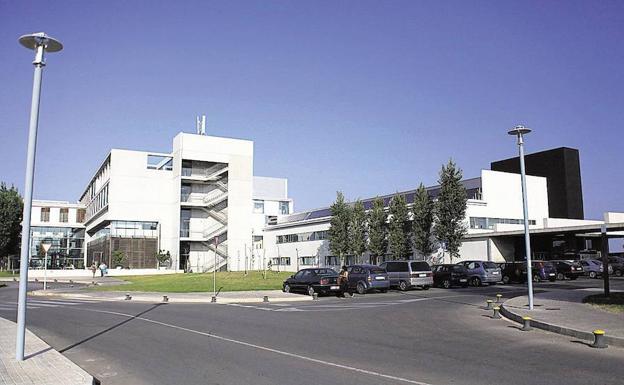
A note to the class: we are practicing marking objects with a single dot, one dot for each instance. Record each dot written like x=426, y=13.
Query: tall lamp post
x=40, y=43
x=519, y=132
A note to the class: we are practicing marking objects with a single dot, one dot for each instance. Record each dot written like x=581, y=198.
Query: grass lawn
x=196, y=282
x=614, y=304
x=8, y=274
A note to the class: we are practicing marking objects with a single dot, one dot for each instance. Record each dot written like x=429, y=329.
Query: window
x=45, y=214
x=283, y=208
x=64, y=215
x=420, y=266
x=285, y=261
x=331, y=260
x=307, y=261
x=299, y=274
x=159, y=162
x=80, y=215
x=302, y=237
x=258, y=206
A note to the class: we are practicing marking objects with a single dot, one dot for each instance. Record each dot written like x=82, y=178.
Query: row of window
x=258, y=207
x=63, y=215
x=302, y=237
x=306, y=261
x=488, y=223
x=98, y=203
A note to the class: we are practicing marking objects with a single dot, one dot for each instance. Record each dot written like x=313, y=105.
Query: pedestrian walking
x=103, y=269
x=343, y=281
x=93, y=269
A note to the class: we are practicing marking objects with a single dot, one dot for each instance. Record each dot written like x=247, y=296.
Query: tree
x=450, y=209
x=357, y=230
x=377, y=230
x=119, y=258
x=398, y=228
x=11, y=207
x=338, y=233
x=422, y=210
x=162, y=256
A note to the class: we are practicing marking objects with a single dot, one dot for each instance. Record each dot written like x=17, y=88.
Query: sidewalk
x=562, y=311
x=223, y=297
x=42, y=366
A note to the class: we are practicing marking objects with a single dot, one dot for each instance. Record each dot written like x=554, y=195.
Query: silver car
x=480, y=272
x=407, y=274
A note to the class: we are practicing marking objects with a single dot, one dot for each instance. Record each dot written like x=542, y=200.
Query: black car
x=568, y=269
x=449, y=275
x=313, y=280
x=513, y=272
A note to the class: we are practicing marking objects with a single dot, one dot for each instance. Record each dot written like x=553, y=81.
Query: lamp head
x=519, y=130
x=34, y=40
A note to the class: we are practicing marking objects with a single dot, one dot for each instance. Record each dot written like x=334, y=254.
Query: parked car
x=544, y=270
x=617, y=265
x=480, y=272
x=313, y=280
x=364, y=278
x=513, y=272
x=568, y=269
x=449, y=275
x=407, y=274
x=593, y=268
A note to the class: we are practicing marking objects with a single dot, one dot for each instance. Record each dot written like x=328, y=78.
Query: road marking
x=265, y=348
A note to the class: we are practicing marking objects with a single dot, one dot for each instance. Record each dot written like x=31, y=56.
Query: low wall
x=38, y=273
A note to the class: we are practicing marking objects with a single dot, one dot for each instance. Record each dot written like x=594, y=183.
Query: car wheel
x=286, y=288
x=560, y=276
x=618, y=273
x=476, y=282
x=506, y=279
x=592, y=274
x=446, y=284
x=403, y=286
x=360, y=288
x=310, y=291
x=426, y=287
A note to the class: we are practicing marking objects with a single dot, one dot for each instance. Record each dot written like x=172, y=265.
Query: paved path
x=565, y=313
x=42, y=366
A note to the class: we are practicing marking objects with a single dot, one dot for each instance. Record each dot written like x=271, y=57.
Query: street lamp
x=40, y=43
x=519, y=131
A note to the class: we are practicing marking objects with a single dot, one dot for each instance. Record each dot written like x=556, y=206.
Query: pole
x=605, y=259
x=28, y=189
x=214, y=269
x=527, y=238
x=45, y=271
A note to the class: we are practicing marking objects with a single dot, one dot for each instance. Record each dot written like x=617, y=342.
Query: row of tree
x=397, y=231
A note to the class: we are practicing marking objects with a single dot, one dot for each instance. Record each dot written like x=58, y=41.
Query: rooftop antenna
x=200, y=125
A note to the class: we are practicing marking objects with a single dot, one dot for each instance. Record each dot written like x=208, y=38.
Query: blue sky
x=367, y=97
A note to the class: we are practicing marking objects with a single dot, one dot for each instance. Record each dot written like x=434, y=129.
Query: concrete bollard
x=71, y=281
x=489, y=304
x=526, y=324
x=165, y=298
x=14, y=279
x=93, y=282
x=599, y=341
x=36, y=280
x=265, y=298
x=128, y=297
x=213, y=299
x=55, y=280
x=315, y=297
x=496, y=314
x=498, y=298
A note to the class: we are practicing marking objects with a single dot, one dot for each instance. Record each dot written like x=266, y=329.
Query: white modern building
x=202, y=204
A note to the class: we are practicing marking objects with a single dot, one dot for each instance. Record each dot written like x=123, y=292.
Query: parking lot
x=438, y=336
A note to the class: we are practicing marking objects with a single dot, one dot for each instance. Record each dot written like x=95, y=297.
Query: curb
x=172, y=298
x=587, y=336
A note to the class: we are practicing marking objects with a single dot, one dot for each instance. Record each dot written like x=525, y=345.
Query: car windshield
x=377, y=270
x=420, y=266
x=489, y=265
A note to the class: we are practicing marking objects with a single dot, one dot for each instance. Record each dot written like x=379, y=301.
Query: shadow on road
x=110, y=328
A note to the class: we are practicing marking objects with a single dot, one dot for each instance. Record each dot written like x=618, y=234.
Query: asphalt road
x=418, y=337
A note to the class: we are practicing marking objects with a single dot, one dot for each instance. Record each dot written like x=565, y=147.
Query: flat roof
x=575, y=229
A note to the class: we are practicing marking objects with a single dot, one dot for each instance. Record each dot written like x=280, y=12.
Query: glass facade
x=302, y=237
x=134, y=229
x=66, y=251
x=283, y=208
x=488, y=223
